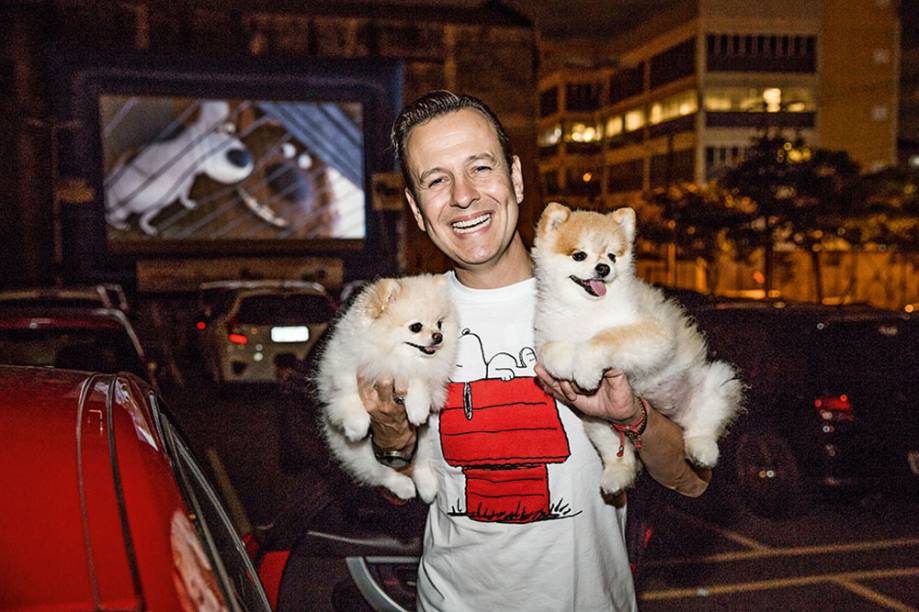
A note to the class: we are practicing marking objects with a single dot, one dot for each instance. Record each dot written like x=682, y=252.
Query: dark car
x=94, y=339
x=831, y=399
x=106, y=508
x=245, y=327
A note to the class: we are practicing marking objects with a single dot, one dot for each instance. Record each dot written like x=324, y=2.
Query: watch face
x=394, y=461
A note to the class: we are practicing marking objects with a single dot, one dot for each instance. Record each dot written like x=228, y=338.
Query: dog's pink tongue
x=598, y=287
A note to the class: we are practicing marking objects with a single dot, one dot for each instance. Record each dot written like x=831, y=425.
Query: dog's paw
x=588, y=378
x=417, y=408
x=558, y=358
x=617, y=478
x=356, y=426
x=188, y=203
x=426, y=483
x=702, y=450
x=400, y=484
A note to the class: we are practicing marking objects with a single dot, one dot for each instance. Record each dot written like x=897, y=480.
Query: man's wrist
x=396, y=458
x=638, y=408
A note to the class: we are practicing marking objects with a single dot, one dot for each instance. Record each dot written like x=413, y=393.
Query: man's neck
x=515, y=265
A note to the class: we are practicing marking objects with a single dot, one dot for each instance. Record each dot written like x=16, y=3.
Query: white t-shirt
x=518, y=522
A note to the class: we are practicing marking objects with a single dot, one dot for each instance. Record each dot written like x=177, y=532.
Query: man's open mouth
x=594, y=286
x=471, y=225
x=426, y=349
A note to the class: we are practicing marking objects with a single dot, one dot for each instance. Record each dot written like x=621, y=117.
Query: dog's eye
x=579, y=256
x=612, y=257
x=415, y=327
x=440, y=324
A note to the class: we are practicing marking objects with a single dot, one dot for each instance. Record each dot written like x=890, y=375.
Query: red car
x=106, y=507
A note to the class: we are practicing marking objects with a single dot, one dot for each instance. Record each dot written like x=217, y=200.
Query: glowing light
x=587, y=176
x=909, y=308
x=759, y=278
x=772, y=96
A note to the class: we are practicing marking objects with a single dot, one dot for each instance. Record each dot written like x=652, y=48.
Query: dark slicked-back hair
x=435, y=104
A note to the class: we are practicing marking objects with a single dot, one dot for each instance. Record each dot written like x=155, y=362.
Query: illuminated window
x=634, y=119
x=614, y=126
x=550, y=136
x=579, y=131
x=771, y=99
x=672, y=107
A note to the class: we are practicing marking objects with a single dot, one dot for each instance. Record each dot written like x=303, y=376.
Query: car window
x=295, y=308
x=60, y=302
x=228, y=554
x=95, y=350
x=887, y=353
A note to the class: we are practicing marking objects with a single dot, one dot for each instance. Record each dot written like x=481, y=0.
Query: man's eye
x=482, y=168
x=435, y=182
x=415, y=327
x=612, y=257
x=579, y=256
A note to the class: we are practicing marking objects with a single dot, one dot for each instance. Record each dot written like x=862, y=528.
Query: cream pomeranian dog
x=398, y=329
x=593, y=314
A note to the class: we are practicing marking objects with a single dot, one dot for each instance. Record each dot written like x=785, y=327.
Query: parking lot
x=854, y=552
x=844, y=554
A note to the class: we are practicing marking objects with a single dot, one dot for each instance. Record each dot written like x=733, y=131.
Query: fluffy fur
x=399, y=329
x=593, y=314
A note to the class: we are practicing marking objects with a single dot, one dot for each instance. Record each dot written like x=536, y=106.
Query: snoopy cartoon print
x=475, y=365
x=486, y=430
x=163, y=172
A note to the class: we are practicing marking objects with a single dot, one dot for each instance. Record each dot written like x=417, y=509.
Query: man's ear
x=553, y=216
x=626, y=218
x=419, y=218
x=380, y=295
x=517, y=178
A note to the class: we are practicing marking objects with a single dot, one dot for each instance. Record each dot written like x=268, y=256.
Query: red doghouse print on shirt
x=503, y=432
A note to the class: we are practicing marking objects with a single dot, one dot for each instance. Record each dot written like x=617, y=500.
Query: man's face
x=467, y=197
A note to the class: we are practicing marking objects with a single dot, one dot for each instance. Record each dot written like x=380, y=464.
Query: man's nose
x=464, y=192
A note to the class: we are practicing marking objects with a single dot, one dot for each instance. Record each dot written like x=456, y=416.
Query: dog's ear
x=553, y=216
x=625, y=217
x=380, y=295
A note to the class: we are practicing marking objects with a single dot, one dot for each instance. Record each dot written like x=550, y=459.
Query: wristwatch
x=393, y=458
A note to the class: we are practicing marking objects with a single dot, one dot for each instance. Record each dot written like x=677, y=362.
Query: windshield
x=95, y=350
x=292, y=309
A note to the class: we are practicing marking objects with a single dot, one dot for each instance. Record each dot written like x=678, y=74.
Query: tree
x=800, y=195
x=696, y=220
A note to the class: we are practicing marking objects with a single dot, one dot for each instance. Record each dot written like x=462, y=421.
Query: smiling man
x=519, y=521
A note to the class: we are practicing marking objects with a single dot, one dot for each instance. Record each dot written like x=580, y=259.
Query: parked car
x=96, y=339
x=245, y=327
x=831, y=400
x=103, y=295
x=111, y=511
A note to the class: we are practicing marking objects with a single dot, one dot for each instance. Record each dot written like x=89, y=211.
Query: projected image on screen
x=206, y=169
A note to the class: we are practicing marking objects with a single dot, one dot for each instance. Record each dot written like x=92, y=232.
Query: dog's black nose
x=437, y=337
x=239, y=157
x=602, y=269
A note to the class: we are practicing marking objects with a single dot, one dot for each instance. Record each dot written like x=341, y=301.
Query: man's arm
x=661, y=449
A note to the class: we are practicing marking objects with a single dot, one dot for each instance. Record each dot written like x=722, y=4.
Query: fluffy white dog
x=593, y=314
x=400, y=329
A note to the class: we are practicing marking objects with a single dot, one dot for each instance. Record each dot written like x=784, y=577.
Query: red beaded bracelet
x=632, y=430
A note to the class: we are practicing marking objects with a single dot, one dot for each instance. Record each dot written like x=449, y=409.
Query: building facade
x=680, y=97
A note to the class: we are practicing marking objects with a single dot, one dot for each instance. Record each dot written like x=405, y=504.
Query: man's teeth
x=469, y=225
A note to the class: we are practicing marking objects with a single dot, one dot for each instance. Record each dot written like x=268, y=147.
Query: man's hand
x=389, y=425
x=662, y=449
x=614, y=400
